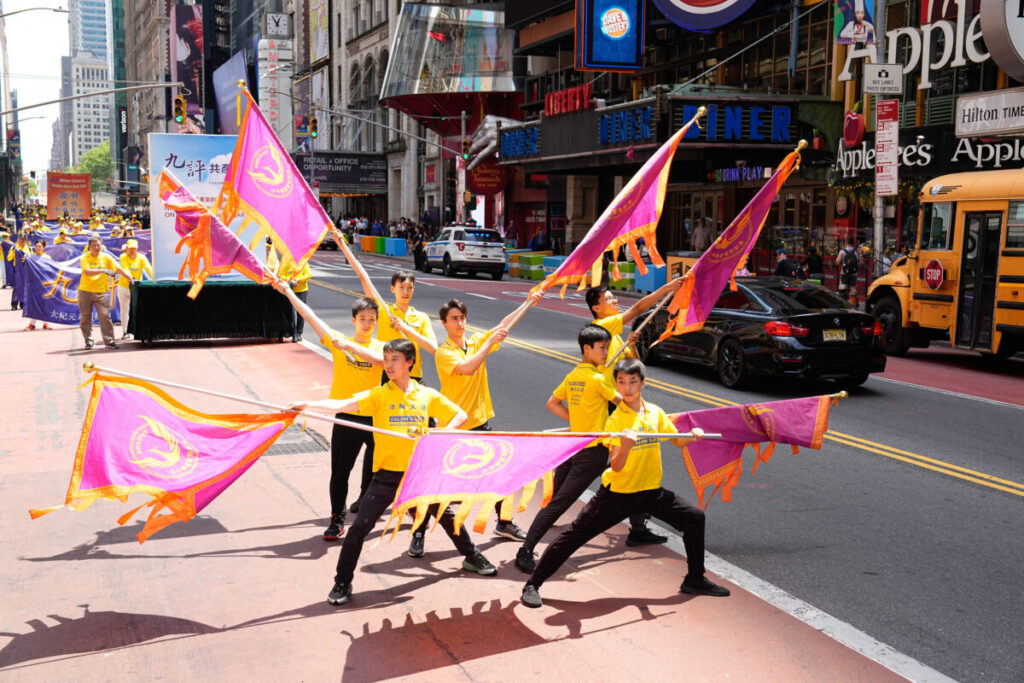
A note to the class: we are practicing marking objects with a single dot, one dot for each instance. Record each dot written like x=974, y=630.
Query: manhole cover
x=295, y=441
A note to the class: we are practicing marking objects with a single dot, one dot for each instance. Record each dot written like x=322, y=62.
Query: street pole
x=460, y=182
x=879, y=241
x=94, y=93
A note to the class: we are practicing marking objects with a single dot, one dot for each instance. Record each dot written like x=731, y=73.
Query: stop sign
x=933, y=274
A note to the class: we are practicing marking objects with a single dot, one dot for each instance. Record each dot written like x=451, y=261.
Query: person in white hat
x=859, y=29
x=136, y=264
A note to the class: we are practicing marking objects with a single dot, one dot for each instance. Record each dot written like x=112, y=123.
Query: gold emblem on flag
x=475, y=458
x=729, y=246
x=269, y=172
x=171, y=459
x=766, y=422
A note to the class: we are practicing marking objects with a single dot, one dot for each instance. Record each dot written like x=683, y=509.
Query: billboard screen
x=225, y=89
x=187, y=61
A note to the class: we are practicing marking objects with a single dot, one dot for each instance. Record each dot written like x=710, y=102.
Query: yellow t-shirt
x=587, y=394
x=417, y=320
x=351, y=373
x=469, y=392
x=24, y=250
x=613, y=324
x=136, y=267
x=642, y=471
x=302, y=279
x=96, y=283
x=396, y=411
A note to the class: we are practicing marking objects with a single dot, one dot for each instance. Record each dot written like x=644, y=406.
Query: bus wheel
x=888, y=312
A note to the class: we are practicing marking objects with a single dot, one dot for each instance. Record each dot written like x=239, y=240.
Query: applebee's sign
x=961, y=43
x=968, y=154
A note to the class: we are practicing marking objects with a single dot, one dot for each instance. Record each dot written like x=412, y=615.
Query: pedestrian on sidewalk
x=848, y=261
x=357, y=362
x=94, y=292
x=298, y=280
x=631, y=485
x=395, y=406
x=581, y=399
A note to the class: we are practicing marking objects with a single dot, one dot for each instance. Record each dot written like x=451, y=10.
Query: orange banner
x=69, y=193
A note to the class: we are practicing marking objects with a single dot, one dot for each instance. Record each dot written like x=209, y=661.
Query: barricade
x=627, y=270
x=531, y=266
x=394, y=246
x=378, y=245
x=508, y=264
x=367, y=243
x=656, y=276
x=551, y=264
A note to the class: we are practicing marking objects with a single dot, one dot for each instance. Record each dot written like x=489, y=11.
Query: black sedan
x=776, y=326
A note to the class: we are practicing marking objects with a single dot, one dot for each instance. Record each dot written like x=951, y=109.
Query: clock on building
x=278, y=25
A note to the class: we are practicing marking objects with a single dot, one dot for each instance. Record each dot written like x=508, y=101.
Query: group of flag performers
x=415, y=440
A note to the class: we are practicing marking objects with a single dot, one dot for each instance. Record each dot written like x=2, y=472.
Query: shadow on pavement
x=93, y=632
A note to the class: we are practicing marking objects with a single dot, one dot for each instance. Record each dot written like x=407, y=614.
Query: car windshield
x=798, y=299
x=483, y=236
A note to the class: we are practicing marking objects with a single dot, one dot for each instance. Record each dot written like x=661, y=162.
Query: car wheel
x=447, y=268
x=426, y=267
x=497, y=274
x=644, y=349
x=732, y=370
x=853, y=381
x=890, y=314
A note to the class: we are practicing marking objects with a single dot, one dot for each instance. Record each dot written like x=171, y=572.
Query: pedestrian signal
x=313, y=127
x=179, y=109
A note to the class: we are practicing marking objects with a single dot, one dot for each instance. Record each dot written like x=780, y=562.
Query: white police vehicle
x=466, y=249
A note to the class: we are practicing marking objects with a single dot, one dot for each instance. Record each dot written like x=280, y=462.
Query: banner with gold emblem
x=470, y=469
x=137, y=439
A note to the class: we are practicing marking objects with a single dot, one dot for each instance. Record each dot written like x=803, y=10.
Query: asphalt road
x=907, y=524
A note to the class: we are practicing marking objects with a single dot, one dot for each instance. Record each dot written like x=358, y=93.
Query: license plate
x=833, y=335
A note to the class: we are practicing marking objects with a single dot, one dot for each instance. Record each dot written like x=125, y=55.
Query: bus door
x=978, y=275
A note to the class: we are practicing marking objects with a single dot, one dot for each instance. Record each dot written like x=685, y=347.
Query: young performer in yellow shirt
x=357, y=361
x=582, y=399
x=395, y=406
x=632, y=484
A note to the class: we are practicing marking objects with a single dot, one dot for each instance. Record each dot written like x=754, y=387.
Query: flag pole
x=93, y=368
x=594, y=435
x=356, y=265
x=657, y=308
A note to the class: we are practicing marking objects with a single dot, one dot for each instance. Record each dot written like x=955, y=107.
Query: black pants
x=605, y=510
x=345, y=445
x=572, y=478
x=378, y=497
x=300, y=322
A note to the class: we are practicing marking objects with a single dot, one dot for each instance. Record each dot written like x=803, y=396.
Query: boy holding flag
x=630, y=485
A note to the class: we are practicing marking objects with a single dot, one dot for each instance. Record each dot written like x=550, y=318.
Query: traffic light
x=313, y=127
x=467, y=197
x=179, y=109
x=465, y=149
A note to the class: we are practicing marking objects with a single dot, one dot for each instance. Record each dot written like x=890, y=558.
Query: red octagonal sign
x=933, y=274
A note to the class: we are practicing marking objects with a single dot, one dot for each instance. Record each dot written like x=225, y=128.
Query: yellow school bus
x=965, y=279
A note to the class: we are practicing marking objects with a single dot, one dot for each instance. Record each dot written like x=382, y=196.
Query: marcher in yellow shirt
x=358, y=361
x=136, y=264
x=631, y=485
x=93, y=288
x=39, y=249
x=299, y=282
x=581, y=399
x=604, y=306
x=462, y=369
x=62, y=236
x=400, y=403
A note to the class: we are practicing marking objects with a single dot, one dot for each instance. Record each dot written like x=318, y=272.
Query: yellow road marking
x=908, y=457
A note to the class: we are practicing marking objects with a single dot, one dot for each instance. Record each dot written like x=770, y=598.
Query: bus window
x=937, y=226
x=1015, y=226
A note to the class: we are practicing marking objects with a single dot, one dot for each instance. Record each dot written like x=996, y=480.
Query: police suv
x=466, y=248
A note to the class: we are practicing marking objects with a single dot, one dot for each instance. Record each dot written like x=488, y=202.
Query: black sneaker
x=525, y=561
x=644, y=536
x=340, y=594
x=112, y=345
x=479, y=564
x=88, y=344
x=333, y=530
x=354, y=507
x=531, y=598
x=416, y=545
x=702, y=586
x=509, y=530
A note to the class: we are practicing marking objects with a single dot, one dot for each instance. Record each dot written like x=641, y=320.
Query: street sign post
x=887, y=145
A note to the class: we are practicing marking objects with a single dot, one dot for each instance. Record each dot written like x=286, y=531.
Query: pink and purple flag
x=137, y=439
x=632, y=215
x=470, y=468
x=212, y=247
x=704, y=283
x=264, y=185
x=718, y=463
